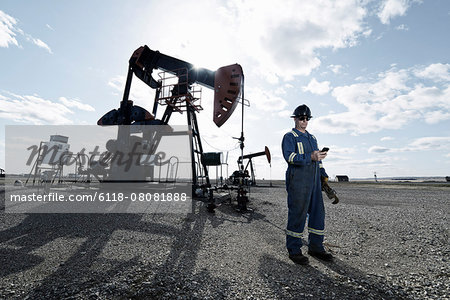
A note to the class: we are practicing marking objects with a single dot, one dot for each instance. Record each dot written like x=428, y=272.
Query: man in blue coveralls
x=304, y=189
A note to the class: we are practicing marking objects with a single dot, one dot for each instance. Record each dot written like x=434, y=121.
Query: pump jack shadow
x=76, y=272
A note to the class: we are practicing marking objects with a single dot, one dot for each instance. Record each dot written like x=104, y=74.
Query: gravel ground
x=389, y=242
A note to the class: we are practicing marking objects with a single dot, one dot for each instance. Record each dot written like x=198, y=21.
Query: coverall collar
x=299, y=132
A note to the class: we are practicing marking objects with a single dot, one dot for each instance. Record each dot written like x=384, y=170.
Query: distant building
x=447, y=178
x=342, y=178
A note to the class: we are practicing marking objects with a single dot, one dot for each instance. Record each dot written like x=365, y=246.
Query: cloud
x=436, y=72
x=33, y=110
x=265, y=100
x=435, y=117
x=387, y=138
x=288, y=86
x=335, y=149
x=8, y=30
x=402, y=27
x=392, y=8
x=336, y=69
x=39, y=43
x=419, y=144
x=289, y=45
x=359, y=167
x=284, y=114
x=430, y=143
x=278, y=49
x=390, y=101
x=377, y=149
x=7, y=35
x=140, y=93
x=318, y=88
x=76, y=104
x=280, y=91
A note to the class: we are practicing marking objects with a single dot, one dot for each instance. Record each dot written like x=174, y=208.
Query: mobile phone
x=324, y=149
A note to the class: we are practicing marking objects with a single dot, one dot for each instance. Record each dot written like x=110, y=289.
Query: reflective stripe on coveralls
x=294, y=234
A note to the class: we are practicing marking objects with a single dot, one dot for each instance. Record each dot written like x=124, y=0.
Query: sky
x=375, y=74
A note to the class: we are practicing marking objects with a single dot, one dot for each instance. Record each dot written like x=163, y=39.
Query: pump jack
x=266, y=152
x=227, y=83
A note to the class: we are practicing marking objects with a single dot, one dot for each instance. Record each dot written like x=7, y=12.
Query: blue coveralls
x=304, y=190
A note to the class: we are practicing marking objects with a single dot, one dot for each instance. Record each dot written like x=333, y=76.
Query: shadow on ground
x=168, y=275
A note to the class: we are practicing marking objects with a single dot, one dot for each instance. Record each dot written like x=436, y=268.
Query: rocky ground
x=390, y=241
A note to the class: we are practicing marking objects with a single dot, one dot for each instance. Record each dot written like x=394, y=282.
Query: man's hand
x=331, y=194
x=317, y=156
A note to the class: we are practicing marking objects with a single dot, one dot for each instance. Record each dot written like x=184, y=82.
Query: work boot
x=299, y=258
x=323, y=255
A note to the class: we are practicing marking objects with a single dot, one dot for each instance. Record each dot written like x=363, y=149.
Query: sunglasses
x=303, y=118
